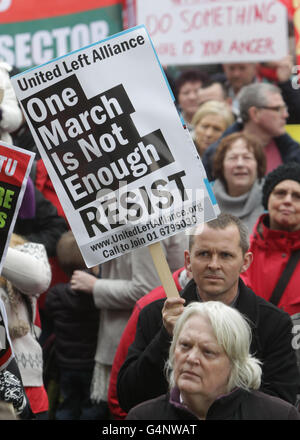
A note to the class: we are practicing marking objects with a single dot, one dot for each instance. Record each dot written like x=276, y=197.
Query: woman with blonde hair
x=210, y=121
x=212, y=374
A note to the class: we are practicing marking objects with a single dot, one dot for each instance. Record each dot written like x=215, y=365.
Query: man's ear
x=253, y=113
x=187, y=264
x=248, y=258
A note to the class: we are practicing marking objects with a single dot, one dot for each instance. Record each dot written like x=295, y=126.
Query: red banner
x=34, y=32
x=13, y=165
x=20, y=10
x=289, y=6
x=296, y=18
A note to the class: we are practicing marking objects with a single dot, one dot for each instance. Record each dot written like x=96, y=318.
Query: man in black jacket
x=215, y=259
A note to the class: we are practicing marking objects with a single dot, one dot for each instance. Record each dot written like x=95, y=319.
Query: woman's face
x=188, y=98
x=239, y=168
x=284, y=206
x=208, y=130
x=201, y=366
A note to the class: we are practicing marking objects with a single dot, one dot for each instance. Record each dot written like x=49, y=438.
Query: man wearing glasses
x=263, y=114
x=238, y=75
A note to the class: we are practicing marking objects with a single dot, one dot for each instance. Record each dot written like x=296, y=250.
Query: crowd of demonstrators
x=254, y=145
x=124, y=280
x=263, y=114
x=238, y=75
x=113, y=325
x=26, y=274
x=76, y=321
x=239, y=167
x=216, y=258
x=48, y=220
x=42, y=219
x=211, y=373
x=181, y=278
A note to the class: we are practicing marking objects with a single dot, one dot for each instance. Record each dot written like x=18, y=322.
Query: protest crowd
x=107, y=343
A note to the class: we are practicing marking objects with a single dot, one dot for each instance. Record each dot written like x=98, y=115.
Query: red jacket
x=127, y=339
x=271, y=250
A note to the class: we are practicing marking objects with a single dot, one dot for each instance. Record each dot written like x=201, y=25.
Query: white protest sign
x=124, y=167
x=205, y=32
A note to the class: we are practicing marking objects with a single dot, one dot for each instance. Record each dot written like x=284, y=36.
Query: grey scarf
x=247, y=207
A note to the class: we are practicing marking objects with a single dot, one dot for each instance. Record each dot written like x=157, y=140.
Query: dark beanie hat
x=287, y=171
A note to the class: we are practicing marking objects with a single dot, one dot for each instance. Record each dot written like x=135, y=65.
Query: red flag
x=289, y=5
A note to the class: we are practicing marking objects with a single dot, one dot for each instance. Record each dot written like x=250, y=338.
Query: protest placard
x=15, y=165
x=209, y=32
x=121, y=160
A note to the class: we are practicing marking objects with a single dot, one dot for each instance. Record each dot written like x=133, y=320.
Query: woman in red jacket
x=276, y=236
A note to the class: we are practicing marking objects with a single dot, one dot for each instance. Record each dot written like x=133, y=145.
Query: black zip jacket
x=141, y=377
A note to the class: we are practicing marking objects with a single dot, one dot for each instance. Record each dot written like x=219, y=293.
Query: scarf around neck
x=247, y=207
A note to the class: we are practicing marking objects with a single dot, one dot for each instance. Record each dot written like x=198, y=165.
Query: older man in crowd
x=263, y=115
x=238, y=75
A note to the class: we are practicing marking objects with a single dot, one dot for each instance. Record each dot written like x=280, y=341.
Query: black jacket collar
x=246, y=302
x=224, y=407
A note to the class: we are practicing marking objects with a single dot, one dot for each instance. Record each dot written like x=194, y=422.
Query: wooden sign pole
x=163, y=269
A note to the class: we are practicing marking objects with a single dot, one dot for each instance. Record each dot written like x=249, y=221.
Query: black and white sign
x=123, y=165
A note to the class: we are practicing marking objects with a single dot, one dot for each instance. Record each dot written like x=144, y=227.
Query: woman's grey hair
x=233, y=334
x=255, y=95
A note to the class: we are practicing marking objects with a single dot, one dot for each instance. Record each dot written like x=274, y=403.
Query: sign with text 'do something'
x=123, y=165
x=215, y=31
